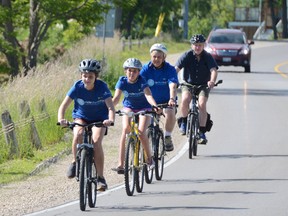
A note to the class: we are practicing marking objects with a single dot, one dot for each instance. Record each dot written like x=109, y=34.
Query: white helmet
x=159, y=47
x=132, y=63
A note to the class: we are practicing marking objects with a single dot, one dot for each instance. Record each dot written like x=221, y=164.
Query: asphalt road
x=243, y=168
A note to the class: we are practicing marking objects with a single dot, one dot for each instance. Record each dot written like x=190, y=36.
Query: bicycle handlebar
x=199, y=86
x=97, y=124
x=131, y=114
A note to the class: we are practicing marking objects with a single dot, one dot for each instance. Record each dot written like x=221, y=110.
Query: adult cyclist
x=162, y=80
x=199, y=68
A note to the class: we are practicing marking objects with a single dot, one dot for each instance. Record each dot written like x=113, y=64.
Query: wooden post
x=24, y=109
x=34, y=135
x=10, y=135
x=123, y=45
x=130, y=42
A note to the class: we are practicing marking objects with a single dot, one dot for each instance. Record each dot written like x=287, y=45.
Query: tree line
x=30, y=29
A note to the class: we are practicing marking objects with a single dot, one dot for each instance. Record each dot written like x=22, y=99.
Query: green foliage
x=73, y=33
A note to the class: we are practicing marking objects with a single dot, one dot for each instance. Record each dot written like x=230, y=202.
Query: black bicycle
x=156, y=138
x=193, y=125
x=86, y=173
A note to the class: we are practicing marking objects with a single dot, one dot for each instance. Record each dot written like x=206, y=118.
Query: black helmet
x=198, y=38
x=90, y=65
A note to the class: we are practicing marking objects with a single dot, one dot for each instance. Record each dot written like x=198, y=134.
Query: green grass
x=19, y=169
x=50, y=82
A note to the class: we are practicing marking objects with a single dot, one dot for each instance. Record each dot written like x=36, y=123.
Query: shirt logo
x=151, y=82
x=80, y=101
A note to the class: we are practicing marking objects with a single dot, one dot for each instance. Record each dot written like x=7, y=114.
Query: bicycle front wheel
x=190, y=135
x=159, y=155
x=149, y=172
x=194, y=132
x=129, y=168
x=139, y=172
x=83, y=178
x=92, y=185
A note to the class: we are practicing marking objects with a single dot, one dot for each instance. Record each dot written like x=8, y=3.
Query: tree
x=38, y=16
x=146, y=13
x=284, y=19
x=273, y=17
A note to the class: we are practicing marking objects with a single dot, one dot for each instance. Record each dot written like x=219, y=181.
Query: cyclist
x=137, y=96
x=199, y=68
x=92, y=103
x=162, y=80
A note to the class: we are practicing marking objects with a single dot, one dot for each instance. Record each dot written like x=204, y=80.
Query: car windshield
x=227, y=38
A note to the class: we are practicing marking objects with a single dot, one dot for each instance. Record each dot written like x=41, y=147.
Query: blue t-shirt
x=134, y=97
x=196, y=72
x=159, y=80
x=90, y=104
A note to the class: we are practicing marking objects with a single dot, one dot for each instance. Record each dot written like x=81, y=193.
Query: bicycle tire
x=160, y=156
x=194, y=133
x=129, y=168
x=83, y=178
x=190, y=135
x=195, y=124
x=139, y=172
x=92, y=185
x=149, y=172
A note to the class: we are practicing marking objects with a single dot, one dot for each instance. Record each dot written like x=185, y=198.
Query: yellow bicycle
x=135, y=165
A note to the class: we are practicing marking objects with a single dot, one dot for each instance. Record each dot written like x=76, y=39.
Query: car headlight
x=244, y=51
x=210, y=49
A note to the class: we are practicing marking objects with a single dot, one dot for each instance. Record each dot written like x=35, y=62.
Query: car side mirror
x=250, y=42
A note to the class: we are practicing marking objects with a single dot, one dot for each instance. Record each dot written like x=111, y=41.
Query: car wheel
x=247, y=69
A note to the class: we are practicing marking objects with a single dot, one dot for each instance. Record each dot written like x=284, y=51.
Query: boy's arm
x=63, y=107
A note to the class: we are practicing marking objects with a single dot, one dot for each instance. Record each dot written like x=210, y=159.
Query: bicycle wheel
x=129, y=171
x=92, y=184
x=149, y=172
x=139, y=172
x=160, y=152
x=194, y=133
x=83, y=178
x=195, y=124
x=190, y=135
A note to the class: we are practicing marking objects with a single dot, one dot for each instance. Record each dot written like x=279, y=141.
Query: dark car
x=230, y=47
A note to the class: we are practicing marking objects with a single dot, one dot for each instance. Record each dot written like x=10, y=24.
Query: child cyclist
x=137, y=96
x=92, y=103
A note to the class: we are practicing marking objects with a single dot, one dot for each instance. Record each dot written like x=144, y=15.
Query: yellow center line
x=276, y=68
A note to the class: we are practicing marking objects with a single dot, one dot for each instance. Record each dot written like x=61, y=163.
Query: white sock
x=167, y=133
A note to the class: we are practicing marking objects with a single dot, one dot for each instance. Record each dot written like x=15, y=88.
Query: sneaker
x=183, y=128
x=71, y=172
x=168, y=143
x=151, y=165
x=119, y=170
x=102, y=185
x=202, y=139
